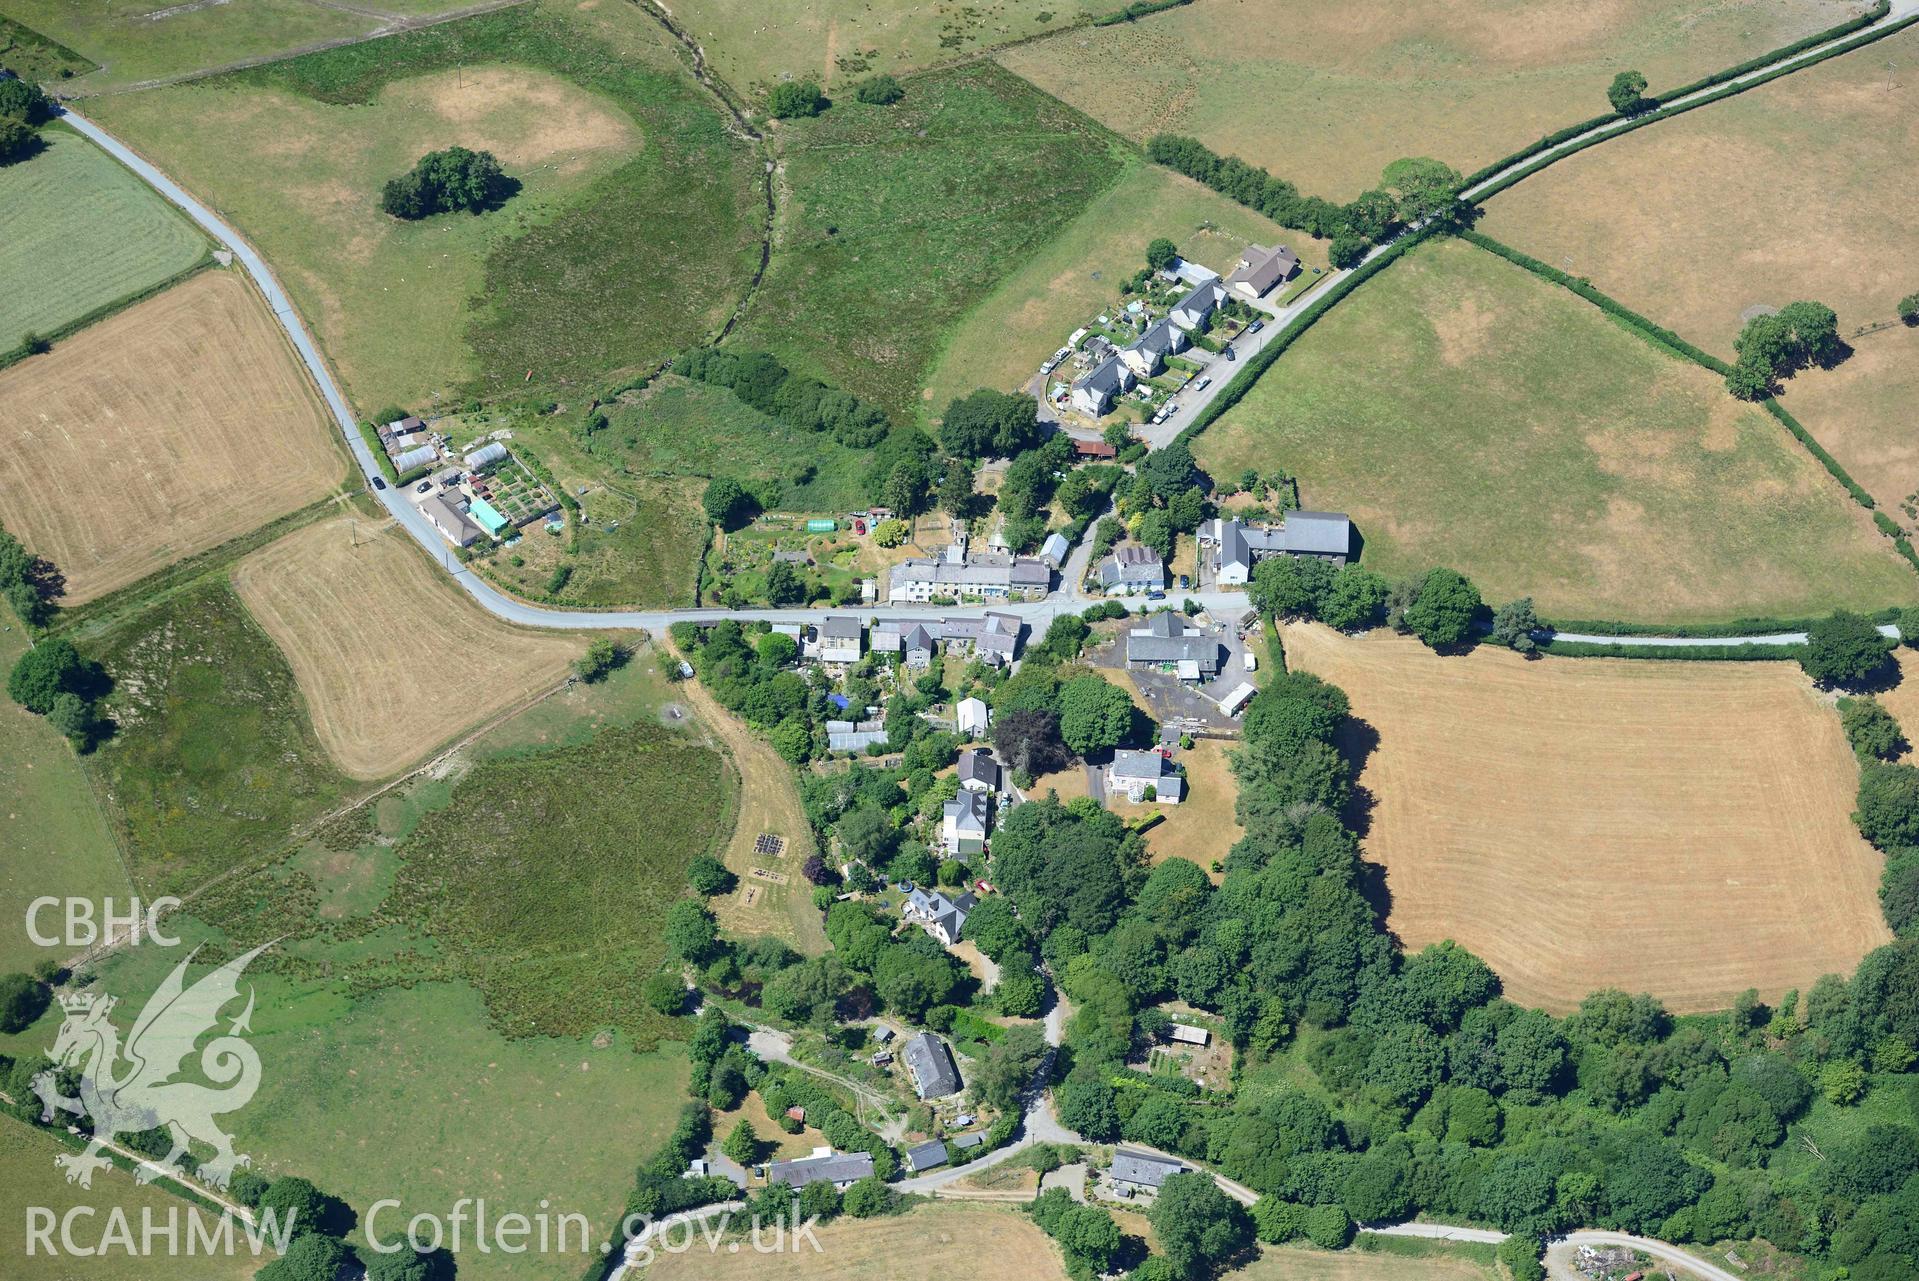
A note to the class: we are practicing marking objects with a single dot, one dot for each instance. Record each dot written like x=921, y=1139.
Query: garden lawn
x=1467, y=413
x=56, y=842
x=214, y=761
x=633, y=236
x=898, y=220
x=1002, y=341
x=1326, y=93
x=78, y=234
x=1794, y=190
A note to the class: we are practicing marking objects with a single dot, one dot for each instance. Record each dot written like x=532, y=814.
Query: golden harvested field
x=1682, y=829
x=162, y=431
x=1298, y=1263
x=1326, y=93
x=1793, y=190
x=392, y=659
x=928, y=1243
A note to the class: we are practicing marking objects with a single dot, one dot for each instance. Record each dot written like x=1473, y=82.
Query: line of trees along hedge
x=1666, y=338
x=1662, y=113
x=1139, y=9
x=1433, y=1094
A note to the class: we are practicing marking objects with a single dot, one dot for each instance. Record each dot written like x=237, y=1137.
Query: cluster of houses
x=1116, y=370
x=959, y=574
x=842, y=639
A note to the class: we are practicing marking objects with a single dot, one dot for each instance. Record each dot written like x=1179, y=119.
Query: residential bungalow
x=1192, y=312
x=1168, y=640
x=1131, y=568
x=971, y=716
x=979, y=772
x=1094, y=394
x=987, y=576
x=1055, y=550
x=963, y=823
x=1131, y=773
x=452, y=523
x=841, y=640
x=935, y=1075
x=841, y=1169
x=1147, y=355
x=942, y=916
x=1260, y=269
x=927, y=1156
x=1134, y=1172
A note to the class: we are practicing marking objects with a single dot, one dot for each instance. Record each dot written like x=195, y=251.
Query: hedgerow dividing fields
x=1505, y=427
x=166, y=429
x=899, y=219
x=78, y=233
x=1676, y=828
x=1786, y=192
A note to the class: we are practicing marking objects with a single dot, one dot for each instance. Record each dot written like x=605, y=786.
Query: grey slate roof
x=972, y=1140
x=839, y=627
x=1143, y=1168
x=1109, y=378
x=1318, y=533
x=1131, y=564
x=978, y=766
x=1170, y=639
x=931, y=1064
x=1162, y=339
x=968, y=812
x=839, y=1167
x=926, y=1156
x=1133, y=764
x=1262, y=268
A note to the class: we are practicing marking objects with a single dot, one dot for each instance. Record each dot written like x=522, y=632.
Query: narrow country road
x=1037, y=614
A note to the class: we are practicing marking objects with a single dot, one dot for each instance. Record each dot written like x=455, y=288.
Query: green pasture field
x=1326, y=93
x=1779, y=194
x=755, y=44
x=427, y=1042
x=57, y=844
x=32, y=56
x=1003, y=340
x=214, y=761
x=900, y=219
x=633, y=237
x=1468, y=414
x=154, y=40
x=28, y=1173
x=79, y=233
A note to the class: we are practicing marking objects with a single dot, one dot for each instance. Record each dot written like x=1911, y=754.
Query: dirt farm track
x=164, y=430
x=1682, y=829
x=392, y=658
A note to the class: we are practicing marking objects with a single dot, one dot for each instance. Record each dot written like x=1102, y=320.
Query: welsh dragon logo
x=126, y=1091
